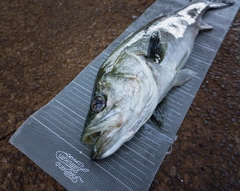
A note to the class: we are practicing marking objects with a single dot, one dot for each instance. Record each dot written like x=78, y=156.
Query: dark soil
x=45, y=44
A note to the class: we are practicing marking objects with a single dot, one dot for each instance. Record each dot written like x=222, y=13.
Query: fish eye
x=98, y=103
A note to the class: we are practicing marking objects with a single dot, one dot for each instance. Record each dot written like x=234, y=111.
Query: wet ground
x=45, y=44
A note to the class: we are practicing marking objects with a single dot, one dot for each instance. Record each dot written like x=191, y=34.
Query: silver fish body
x=139, y=73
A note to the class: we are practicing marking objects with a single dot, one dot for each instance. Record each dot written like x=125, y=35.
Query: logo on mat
x=70, y=166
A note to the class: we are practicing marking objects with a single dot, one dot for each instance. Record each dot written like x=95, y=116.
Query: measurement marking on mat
x=62, y=100
x=130, y=31
x=89, y=87
x=201, y=56
x=82, y=93
x=139, y=139
x=66, y=114
x=172, y=100
x=174, y=105
x=58, y=128
x=90, y=76
x=117, y=163
x=129, y=164
x=89, y=79
x=139, y=155
x=82, y=101
x=169, y=118
x=157, y=132
x=72, y=124
x=218, y=15
x=76, y=101
x=94, y=69
x=70, y=110
x=187, y=87
x=203, y=45
x=171, y=95
x=176, y=112
x=113, y=176
x=72, y=105
x=168, y=139
x=105, y=53
x=148, y=137
x=134, y=159
x=167, y=124
x=118, y=42
x=142, y=149
x=219, y=39
x=54, y=115
x=199, y=60
x=82, y=87
x=186, y=92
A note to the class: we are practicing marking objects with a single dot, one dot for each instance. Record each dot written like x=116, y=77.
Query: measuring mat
x=51, y=136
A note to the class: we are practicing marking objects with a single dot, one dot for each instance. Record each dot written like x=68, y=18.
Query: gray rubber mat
x=51, y=136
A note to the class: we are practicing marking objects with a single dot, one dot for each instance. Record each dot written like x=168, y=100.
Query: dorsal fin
x=156, y=50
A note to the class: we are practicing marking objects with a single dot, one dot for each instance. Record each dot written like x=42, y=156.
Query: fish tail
x=214, y=4
x=211, y=4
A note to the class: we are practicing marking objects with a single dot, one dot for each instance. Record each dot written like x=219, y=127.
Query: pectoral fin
x=183, y=76
x=156, y=50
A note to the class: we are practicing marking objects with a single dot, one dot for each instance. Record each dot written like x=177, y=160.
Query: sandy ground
x=45, y=44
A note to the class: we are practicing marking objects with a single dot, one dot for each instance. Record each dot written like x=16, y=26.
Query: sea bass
x=139, y=73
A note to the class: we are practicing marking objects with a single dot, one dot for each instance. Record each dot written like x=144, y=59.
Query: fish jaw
x=94, y=129
x=109, y=142
x=103, y=147
x=107, y=134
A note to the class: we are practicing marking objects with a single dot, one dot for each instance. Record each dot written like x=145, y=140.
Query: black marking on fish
x=156, y=50
x=193, y=12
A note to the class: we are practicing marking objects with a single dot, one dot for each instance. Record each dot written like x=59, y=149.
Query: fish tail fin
x=214, y=4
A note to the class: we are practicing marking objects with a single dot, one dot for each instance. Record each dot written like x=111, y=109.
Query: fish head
x=103, y=125
x=116, y=106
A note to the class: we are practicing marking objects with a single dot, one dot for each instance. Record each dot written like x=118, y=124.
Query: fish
x=136, y=77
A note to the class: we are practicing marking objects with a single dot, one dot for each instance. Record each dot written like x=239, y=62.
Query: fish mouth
x=109, y=142
x=99, y=148
x=104, y=142
x=93, y=131
x=90, y=138
x=94, y=136
x=103, y=145
x=96, y=155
